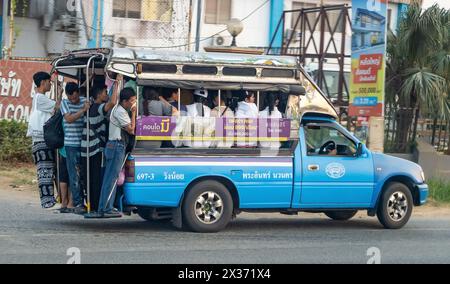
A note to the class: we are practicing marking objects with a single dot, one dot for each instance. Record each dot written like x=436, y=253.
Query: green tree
x=418, y=69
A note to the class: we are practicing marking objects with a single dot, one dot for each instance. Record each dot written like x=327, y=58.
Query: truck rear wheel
x=207, y=207
x=395, y=206
x=341, y=215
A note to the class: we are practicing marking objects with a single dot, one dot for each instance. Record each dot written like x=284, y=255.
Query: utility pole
x=5, y=25
x=11, y=29
x=199, y=20
x=99, y=28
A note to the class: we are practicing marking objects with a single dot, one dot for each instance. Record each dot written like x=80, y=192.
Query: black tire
x=395, y=201
x=191, y=207
x=341, y=215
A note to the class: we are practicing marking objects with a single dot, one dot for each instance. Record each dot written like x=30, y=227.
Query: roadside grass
x=18, y=175
x=439, y=191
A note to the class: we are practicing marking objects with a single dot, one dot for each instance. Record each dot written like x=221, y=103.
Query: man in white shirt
x=44, y=158
x=115, y=152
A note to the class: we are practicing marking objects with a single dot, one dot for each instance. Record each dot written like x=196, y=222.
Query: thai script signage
x=368, y=58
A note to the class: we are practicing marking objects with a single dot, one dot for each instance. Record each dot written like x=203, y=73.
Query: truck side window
x=324, y=140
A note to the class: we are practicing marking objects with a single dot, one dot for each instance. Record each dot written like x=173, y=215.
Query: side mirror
x=359, y=150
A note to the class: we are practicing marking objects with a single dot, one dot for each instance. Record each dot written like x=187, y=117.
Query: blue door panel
x=336, y=181
x=260, y=182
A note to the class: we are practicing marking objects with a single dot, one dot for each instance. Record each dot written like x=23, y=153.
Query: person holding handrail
x=98, y=112
x=73, y=110
x=121, y=124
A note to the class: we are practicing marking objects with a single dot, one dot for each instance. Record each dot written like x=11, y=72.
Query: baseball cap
x=201, y=93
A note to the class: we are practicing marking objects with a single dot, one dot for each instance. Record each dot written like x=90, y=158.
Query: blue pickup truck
x=244, y=133
x=206, y=191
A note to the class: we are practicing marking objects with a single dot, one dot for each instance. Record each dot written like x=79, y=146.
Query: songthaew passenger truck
x=262, y=138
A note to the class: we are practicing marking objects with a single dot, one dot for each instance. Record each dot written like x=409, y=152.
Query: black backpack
x=54, y=132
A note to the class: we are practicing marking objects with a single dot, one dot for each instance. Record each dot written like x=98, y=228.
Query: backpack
x=54, y=131
x=128, y=139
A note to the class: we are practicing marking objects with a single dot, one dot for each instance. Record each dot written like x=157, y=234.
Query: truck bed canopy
x=213, y=58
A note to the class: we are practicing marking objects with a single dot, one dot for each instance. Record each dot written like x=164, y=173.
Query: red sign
x=367, y=71
x=17, y=88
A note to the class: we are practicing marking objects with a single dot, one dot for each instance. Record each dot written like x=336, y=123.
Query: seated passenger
x=222, y=110
x=246, y=106
x=271, y=101
x=199, y=124
x=154, y=105
x=198, y=108
x=247, y=109
x=171, y=96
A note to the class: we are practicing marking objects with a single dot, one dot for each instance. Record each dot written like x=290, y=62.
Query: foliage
x=15, y=147
x=418, y=68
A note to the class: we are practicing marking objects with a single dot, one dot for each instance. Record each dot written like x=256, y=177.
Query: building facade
x=54, y=26
x=42, y=28
x=147, y=23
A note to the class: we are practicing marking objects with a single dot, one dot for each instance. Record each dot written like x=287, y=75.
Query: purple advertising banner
x=180, y=128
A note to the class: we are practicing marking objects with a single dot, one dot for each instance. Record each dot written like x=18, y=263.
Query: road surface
x=31, y=235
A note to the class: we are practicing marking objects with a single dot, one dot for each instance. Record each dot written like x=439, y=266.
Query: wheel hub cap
x=397, y=206
x=208, y=208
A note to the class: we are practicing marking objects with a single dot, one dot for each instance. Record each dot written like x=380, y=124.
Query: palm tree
x=418, y=69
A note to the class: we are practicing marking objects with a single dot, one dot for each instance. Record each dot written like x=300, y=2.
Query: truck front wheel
x=341, y=215
x=395, y=207
x=207, y=207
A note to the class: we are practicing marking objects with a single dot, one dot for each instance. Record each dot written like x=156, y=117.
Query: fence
x=404, y=126
x=436, y=132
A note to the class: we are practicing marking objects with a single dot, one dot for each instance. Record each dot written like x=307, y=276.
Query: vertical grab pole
x=220, y=103
x=88, y=132
x=57, y=150
x=179, y=101
x=258, y=100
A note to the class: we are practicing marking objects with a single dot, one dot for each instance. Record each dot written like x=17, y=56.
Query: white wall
x=256, y=27
x=31, y=40
x=394, y=17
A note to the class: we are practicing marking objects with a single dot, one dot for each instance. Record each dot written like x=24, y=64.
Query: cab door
x=333, y=176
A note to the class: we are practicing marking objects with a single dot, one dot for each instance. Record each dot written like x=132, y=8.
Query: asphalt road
x=30, y=235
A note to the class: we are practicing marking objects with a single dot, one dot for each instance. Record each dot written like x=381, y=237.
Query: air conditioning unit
x=218, y=41
x=121, y=42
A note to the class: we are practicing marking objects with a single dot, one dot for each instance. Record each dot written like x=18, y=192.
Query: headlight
x=423, y=176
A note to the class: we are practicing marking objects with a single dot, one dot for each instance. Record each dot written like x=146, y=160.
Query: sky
x=442, y=3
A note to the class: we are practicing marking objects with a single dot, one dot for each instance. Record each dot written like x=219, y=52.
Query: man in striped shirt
x=97, y=139
x=73, y=109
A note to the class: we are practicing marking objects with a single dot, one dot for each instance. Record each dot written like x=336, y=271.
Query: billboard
x=368, y=57
x=17, y=88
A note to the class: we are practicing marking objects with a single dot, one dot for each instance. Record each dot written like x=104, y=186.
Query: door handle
x=313, y=168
